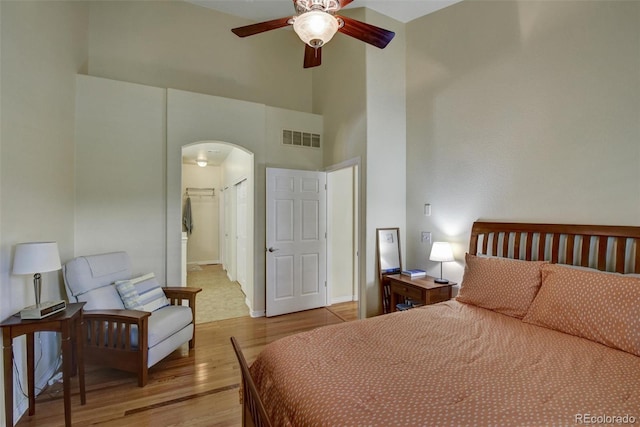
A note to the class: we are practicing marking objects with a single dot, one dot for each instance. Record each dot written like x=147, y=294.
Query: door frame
x=360, y=287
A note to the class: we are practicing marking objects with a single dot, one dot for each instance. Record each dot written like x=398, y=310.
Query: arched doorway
x=217, y=179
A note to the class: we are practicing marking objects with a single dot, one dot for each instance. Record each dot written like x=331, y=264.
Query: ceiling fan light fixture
x=316, y=27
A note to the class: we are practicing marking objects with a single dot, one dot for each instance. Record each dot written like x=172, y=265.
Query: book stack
x=414, y=273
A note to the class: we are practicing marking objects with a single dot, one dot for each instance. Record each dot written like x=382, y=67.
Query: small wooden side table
x=423, y=289
x=69, y=324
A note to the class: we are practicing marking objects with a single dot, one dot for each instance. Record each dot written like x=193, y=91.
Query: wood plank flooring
x=197, y=388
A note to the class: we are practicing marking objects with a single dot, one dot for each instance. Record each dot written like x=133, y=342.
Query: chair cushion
x=165, y=322
x=104, y=298
x=86, y=273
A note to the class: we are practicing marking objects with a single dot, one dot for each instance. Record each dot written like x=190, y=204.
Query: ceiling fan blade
x=312, y=56
x=376, y=36
x=344, y=3
x=261, y=27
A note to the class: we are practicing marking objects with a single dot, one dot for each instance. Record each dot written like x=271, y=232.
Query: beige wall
x=203, y=246
x=360, y=92
x=37, y=153
x=386, y=146
x=522, y=111
x=120, y=170
x=179, y=45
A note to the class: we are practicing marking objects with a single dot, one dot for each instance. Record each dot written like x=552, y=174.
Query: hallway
x=220, y=298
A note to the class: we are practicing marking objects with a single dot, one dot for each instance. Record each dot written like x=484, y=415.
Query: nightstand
x=69, y=324
x=423, y=289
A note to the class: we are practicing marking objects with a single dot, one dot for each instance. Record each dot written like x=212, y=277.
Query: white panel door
x=241, y=235
x=229, y=259
x=296, y=241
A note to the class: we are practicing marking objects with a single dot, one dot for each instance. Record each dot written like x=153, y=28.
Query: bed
x=545, y=331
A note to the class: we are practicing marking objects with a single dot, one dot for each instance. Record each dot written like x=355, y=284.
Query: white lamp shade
x=441, y=252
x=36, y=257
x=315, y=27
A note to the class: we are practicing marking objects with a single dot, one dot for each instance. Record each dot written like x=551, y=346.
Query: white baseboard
x=254, y=313
x=347, y=298
x=204, y=262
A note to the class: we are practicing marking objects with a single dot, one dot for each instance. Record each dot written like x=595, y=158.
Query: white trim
x=348, y=298
x=254, y=313
x=204, y=262
x=361, y=286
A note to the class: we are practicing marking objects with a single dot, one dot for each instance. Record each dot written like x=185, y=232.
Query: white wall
x=179, y=45
x=203, y=246
x=43, y=46
x=120, y=172
x=532, y=113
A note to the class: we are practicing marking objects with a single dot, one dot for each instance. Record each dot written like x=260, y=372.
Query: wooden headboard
x=605, y=247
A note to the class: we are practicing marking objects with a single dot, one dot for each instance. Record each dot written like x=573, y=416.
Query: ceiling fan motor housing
x=331, y=6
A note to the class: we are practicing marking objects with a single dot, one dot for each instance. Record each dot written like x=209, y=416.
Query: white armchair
x=129, y=340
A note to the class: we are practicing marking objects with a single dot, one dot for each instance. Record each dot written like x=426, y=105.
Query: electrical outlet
x=425, y=237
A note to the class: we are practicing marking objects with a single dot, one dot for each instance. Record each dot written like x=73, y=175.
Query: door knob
x=272, y=249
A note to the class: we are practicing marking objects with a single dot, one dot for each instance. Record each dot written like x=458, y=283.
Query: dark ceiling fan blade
x=344, y=3
x=376, y=36
x=312, y=56
x=261, y=27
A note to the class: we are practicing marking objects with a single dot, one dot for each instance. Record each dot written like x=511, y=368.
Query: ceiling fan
x=316, y=23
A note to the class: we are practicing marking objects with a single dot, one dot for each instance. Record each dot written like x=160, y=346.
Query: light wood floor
x=197, y=388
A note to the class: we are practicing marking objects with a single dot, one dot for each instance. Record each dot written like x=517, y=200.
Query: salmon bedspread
x=445, y=364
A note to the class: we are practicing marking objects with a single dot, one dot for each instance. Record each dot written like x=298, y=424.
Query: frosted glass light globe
x=315, y=27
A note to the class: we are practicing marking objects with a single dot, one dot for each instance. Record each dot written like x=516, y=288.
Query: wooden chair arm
x=181, y=292
x=115, y=315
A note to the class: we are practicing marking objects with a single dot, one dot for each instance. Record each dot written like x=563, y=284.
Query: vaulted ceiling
x=263, y=10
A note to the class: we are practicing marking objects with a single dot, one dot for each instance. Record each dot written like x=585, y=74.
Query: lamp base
x=40, y=311
x=441, y=281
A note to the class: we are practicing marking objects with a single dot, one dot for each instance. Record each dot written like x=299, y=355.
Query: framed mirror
x=389, y=261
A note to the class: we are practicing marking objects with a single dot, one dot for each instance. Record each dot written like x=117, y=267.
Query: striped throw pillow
x=150, y=295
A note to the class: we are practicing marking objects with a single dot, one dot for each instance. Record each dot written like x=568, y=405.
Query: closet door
x=241, y=234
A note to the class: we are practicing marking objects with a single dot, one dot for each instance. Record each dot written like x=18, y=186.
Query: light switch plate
x=425, y=237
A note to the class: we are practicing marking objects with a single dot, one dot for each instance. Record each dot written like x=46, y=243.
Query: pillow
x=597, y=306
x=150, y=295
x=129, y=295
x=504, y=285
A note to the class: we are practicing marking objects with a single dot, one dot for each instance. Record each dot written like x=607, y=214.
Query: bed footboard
x=253, y=411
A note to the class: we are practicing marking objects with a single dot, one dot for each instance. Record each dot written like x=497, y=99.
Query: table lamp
x=35, y=258
x=441, y=252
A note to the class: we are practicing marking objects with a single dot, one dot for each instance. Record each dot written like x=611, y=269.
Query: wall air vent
x=300, y=139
